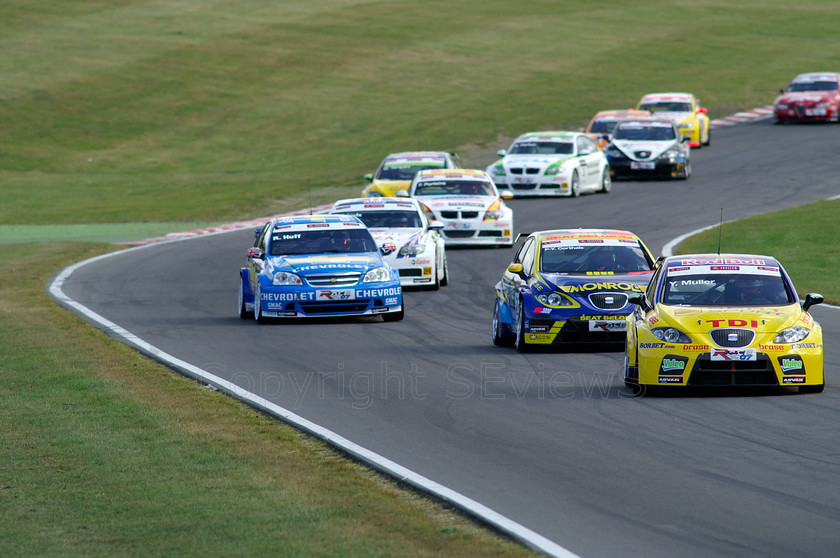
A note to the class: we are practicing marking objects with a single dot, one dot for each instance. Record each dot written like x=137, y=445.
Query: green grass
x=804, y=239
x=138, y=118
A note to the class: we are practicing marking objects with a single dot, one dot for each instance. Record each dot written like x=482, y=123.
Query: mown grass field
x=135, y=115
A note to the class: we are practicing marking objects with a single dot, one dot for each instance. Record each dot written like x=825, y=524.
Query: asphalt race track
x=553, y=441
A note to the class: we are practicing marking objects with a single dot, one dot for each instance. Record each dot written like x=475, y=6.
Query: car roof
x=376, y=204
x=622, y=113
x=455, y=174
x=309, y=222
x=667, y=96
x=586, y=234
x=646, y=120
x=557, y=135
x=417, y=156
x=736, y=261
x=816, y=76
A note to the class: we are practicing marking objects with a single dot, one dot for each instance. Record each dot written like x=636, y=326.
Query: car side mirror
x=436, y=226
x=639, y=300
x=702, y=110
x=781, y=91
x=811, y=299
x=506, y=194
x=516, y=268
x=368, y=177
x=501, y=152
x=387, y=248
x=257, y=232
x=254, y=253
x=401, y=194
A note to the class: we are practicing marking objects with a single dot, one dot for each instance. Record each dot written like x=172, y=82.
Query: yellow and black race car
x=710, y=320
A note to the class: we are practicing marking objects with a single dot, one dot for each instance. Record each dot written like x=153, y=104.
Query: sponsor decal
x=604, y=287
x=607, y=325
x=771, y=347
x=796, y=346
x=724, y=261
x=585, y=317
x=733, y=354
x=391, y=301
x=672, y=364
x=427, y=271
x=334, y=295
x=791, y=364
x=541, y=337
x=670, y=379
x=540, y=329
x=793, y=380
x=695, y=348
x=733, y=323
x=653, y=320
x=378, y=293
x=655, y=346
x=286, y=297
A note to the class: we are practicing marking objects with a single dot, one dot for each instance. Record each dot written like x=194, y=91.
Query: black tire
x=395, y=316
x=575, y=186
x=501, y=333
x=606, y=182
x=812, y=389
x=243, y=311
x=435, y=282
x=445, y=279
x=519, y=337
x=686, y=171
x=258, y=315
x=708, y=141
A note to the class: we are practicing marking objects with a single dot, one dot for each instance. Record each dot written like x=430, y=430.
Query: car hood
x=629, y=283
x=540, y=161
x=807, y=96
x=389, y=187
x=655, y=148
x=458, y=203
x=771, y=319
x=397, y=237
x=676, y=116
x=324, y=263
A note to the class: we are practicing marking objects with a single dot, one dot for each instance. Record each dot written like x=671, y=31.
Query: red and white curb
x=761, y=113
x=735, y=119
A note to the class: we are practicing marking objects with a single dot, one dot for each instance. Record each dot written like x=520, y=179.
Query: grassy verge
x=804, y=239
x=107, y=453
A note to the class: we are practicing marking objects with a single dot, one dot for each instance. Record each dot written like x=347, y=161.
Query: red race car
x=813, y=97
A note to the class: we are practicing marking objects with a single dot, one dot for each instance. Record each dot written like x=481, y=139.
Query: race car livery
x=468, y=204
x=397, y=169
x=552, y=164
x=648, y=147
x=409, y=241
x=813, y=97
x=601, y=127
x=317, y=265
x=710, y=320
x=685, y=110
x=570, y=286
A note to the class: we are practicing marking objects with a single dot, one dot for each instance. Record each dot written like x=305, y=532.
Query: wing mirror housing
x=254, y=254
x=436, y=226
x=387, y=248
x=640, y=300
x=506, y=194
x=811, y=299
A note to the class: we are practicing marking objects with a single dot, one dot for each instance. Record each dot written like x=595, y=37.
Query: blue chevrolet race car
x=570, y=286
x=317, y=266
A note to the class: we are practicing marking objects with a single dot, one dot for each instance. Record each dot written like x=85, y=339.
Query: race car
x=397, y=169
x=570, y=286
x=600, y=128
x=552, y=164
x=713, y=320
x=468, y=204
x=317, y=265
x=685, y=110
x=813, y=97
x=648, y=147
x=410, y=242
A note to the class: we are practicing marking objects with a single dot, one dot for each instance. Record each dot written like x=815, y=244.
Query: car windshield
x=389, y=219
x=454, y=188
x=321, y=241
x=542, y=148
x=813, y=86
x=404, y=172
x=726, y=290
x=666, y=106
x=653, y=132
x=575, y=258
x=602, y=126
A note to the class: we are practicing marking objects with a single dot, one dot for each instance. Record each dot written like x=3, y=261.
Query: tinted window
x=542, y=148
x=726, y=290
x=321, y=241
x=454, y=188
x=388, y=219
x=585, y=259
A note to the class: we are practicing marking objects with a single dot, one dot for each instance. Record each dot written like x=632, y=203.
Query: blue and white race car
x=316, y=266
x=407, y=237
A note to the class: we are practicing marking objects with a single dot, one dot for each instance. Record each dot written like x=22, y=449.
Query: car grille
x=800, y=110
x=608, y=301
x=333, y=279
x=413, y=272
x=707, y=372
x=459, y=234
x=731, y=337
x=526, y=170
x=524, y=186
x=463, y=214
x=331, y=307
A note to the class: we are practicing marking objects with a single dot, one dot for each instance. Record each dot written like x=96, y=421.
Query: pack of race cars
x=704, y=320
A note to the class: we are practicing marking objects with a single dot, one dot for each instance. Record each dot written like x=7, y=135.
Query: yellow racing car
x=710, y=320
x=685, y=110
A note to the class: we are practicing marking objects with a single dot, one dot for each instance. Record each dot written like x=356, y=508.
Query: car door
x=514, y=282
x=590, y=163
x=255, y=263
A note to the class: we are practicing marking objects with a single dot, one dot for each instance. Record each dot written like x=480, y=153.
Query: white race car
x=552, y=164
x=467, y=203
x=408, y=239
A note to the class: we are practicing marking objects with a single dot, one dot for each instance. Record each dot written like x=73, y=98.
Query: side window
x=587, y=146
x=520, y=254
x=651, y=290
x=528, y=257
x=262, y=238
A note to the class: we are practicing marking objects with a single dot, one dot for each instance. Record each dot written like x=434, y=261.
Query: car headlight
x=670, y=335
x=684, y=125
x=499, y=170
x=613, y=151
x=377, y=275
x=670, y=153
x=782, y=106
x=552, y=170
x=792, y=335
x=412, y=250
x=286, y=278
x=821, y=105
x=554, y=299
